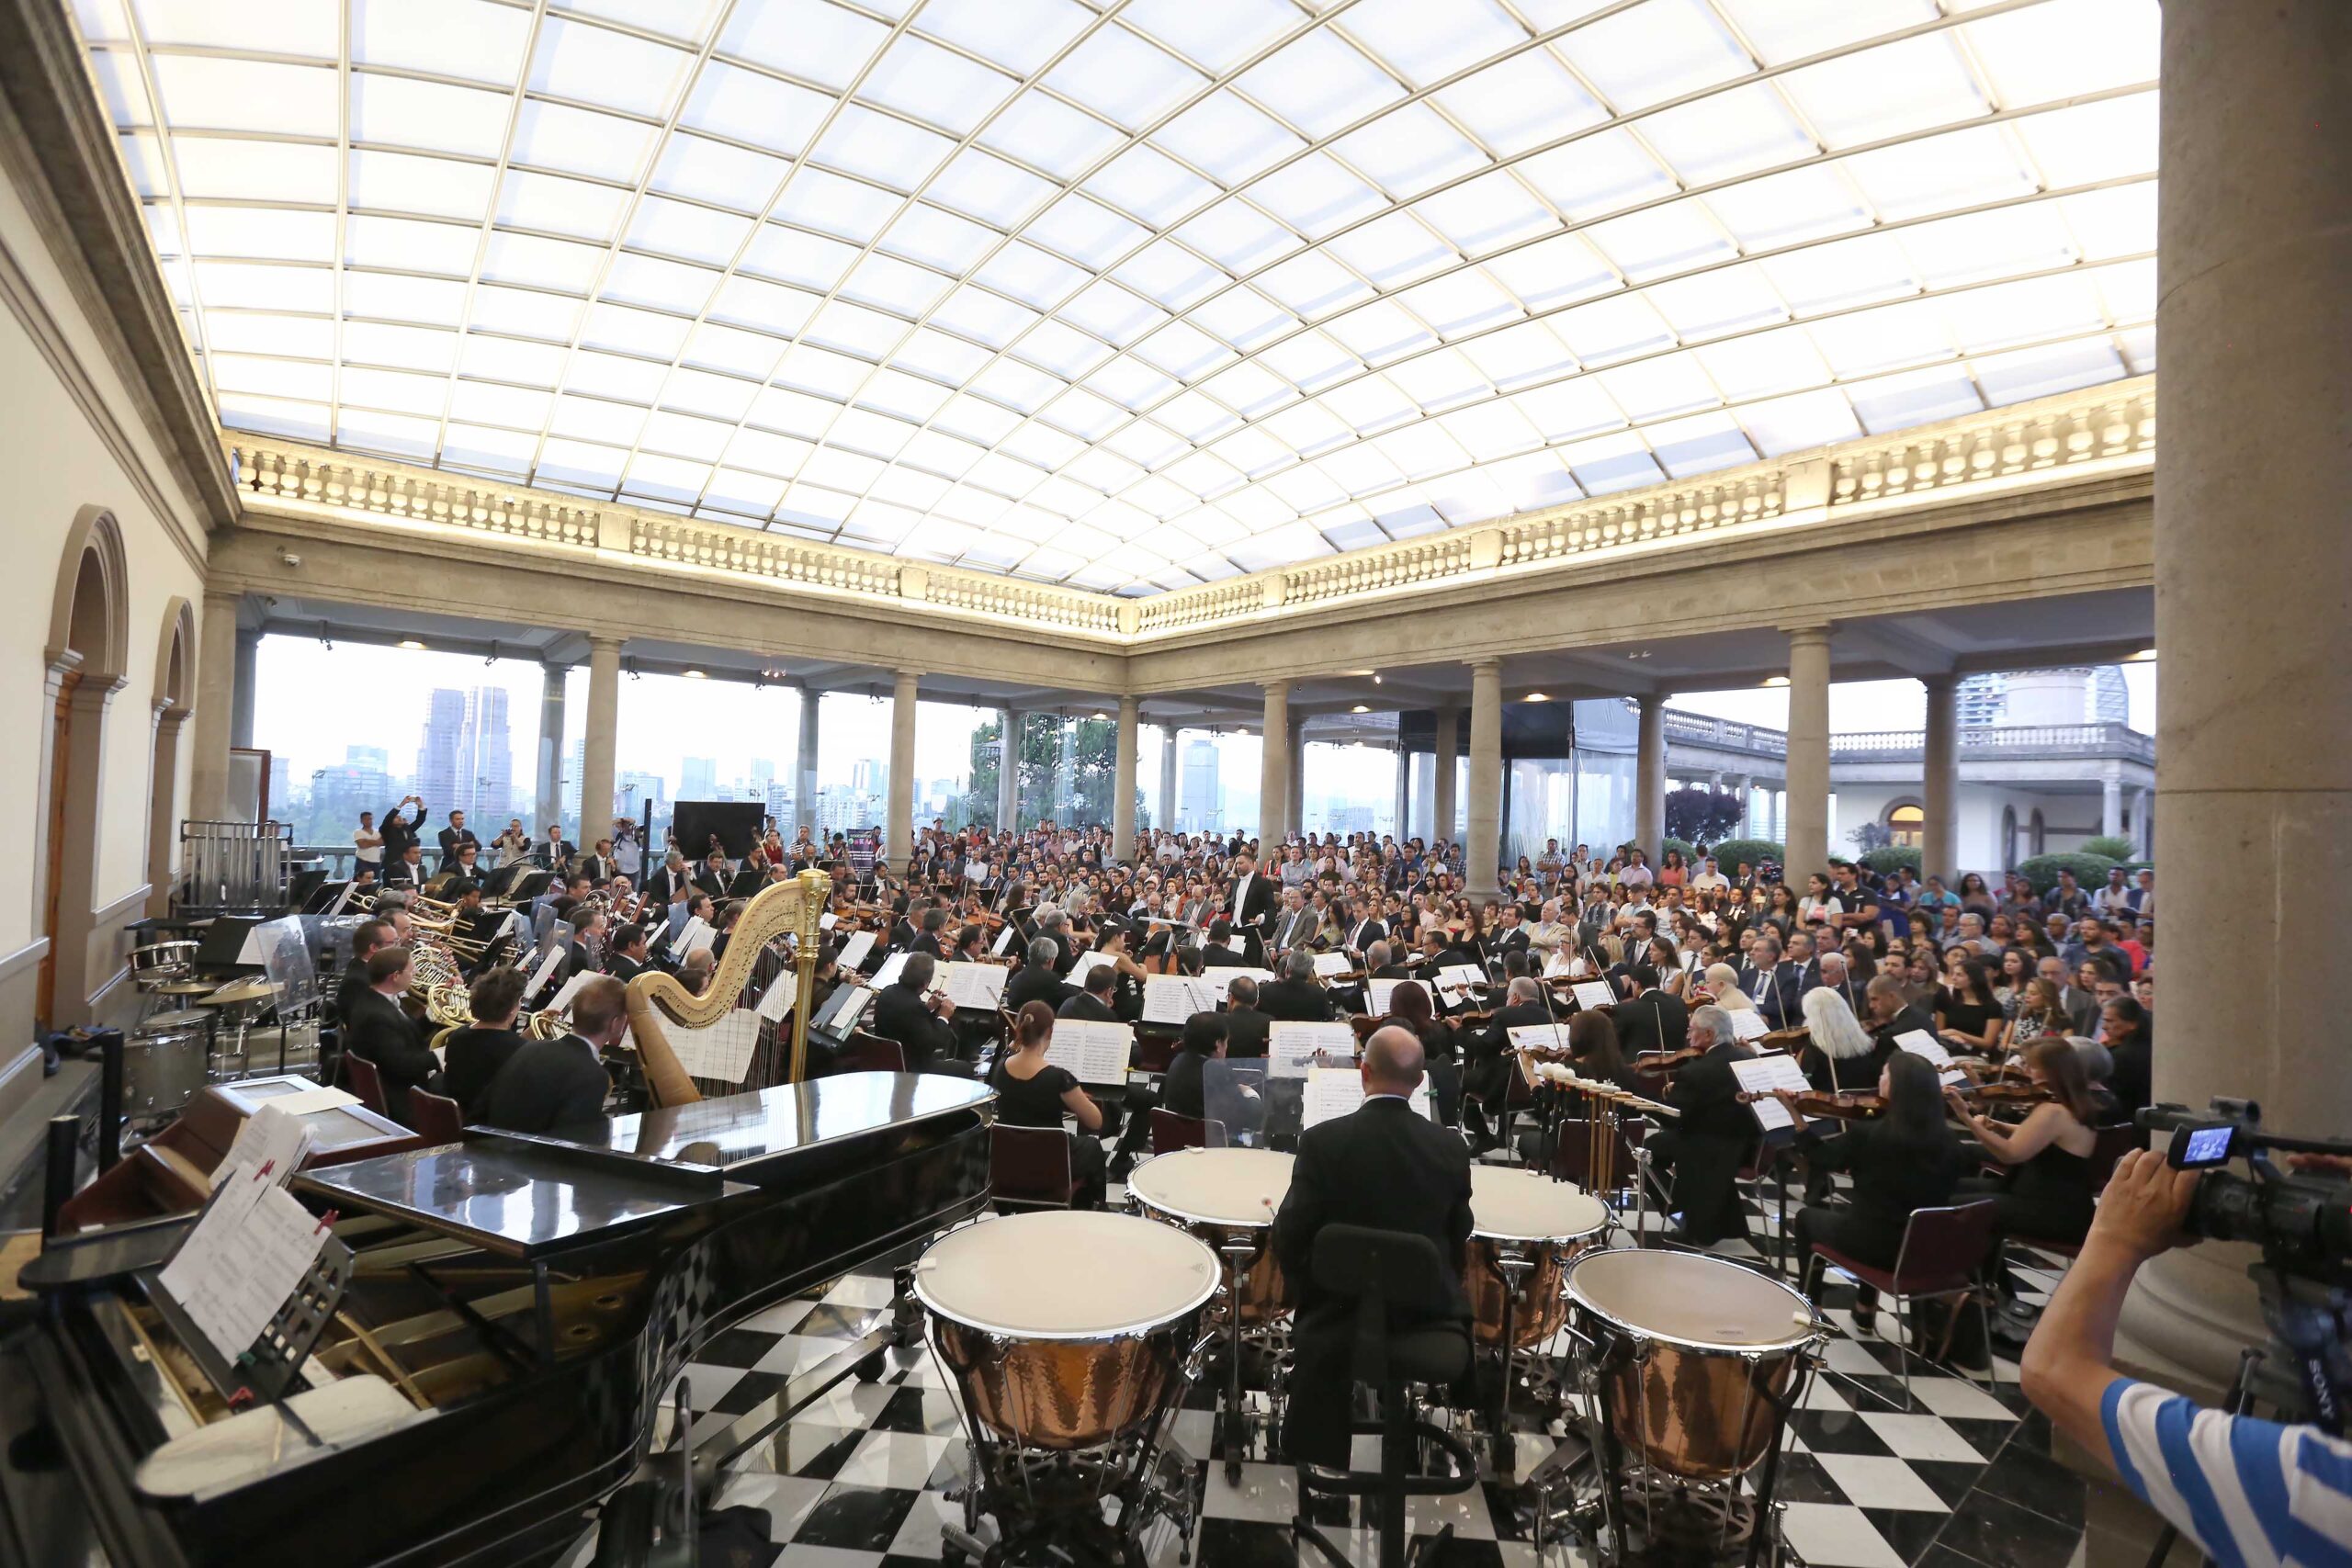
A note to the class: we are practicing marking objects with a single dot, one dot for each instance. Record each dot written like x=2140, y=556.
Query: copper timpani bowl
x=1545, y=1223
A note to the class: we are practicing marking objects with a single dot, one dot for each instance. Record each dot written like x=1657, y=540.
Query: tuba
x=791, y=907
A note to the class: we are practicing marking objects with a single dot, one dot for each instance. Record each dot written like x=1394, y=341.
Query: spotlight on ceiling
x=2145, y=656
x=411, y=644
x=1776, y=680
x=1537, y=698
x=1100, y=717
x=693, y=674
x=1375, y=679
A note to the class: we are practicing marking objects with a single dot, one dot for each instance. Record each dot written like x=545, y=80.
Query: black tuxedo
x=1704, y=1148
x=925, y=1037
x=452, y=839
x=1903, y=1023
x=1360, y=937
x=548, y=1084
x=1512, y=940
x=1215, y=957
x=377, y=1029
x=1386, y=1166
x=1651, y=1021
x=1295, y=1001
x=1087, y=1008
x=473, y=1057
x=1257, y=904
x=1035, y=983
x=1245, y=1033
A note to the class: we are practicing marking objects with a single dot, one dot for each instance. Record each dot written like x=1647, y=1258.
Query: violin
x=1837, y=1105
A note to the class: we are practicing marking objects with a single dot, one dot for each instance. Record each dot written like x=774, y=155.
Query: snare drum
x=161, y=961
x=1548, y=1223
x=1685, y=1348
x=164, y=1065
x=1223, y=1196
x=1065, y=1328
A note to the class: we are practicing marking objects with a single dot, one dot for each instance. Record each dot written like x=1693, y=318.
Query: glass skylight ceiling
x=1134, y=296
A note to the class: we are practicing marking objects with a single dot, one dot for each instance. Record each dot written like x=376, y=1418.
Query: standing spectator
x=369, y=846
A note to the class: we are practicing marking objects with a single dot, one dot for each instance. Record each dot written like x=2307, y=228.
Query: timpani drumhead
x=174, y=1023
x=1065, y=1274
x=1526, y=1206
x=1216, y=1187
x=1691, y=1299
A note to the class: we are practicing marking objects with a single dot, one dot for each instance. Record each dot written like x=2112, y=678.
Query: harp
x=782, y=908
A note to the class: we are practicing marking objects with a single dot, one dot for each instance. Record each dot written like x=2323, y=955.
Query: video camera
x=2301, y=1222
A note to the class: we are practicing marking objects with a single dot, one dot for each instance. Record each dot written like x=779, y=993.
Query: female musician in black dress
x=1033, y=1092
x=1409, y=1005
x=1594, y=1051
x=2046, y=1190
x=1907, y=1158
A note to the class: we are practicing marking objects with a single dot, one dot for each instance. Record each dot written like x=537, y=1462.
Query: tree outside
x=1094, y=773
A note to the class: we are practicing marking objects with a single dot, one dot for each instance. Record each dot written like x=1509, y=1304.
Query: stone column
x=2253, y=785
x=603, y=737
x=1939, y=783
x=2110, y=802
x=1649, y=777
x=1482, y=841
x=1165, y=814
x=1444, y=823
x=804, y=760
x=1808, y=800
x=548, y=805
x=1008, y=770
x=1745, y=785
x=1123, y=808
x=898, y=827
x=2144, y=830
x=1274, y=768
x=1294, y=803
x=1403, y=791
x=216, y=689
x=241, y=708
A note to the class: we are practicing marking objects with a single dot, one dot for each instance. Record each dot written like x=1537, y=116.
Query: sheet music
x=1219, y=981
x=782, y=991
x=1380, y=994
x=1919, y=1043
x=1337, y=1091
x=1091, y=1051
x=1761, y=1075
x=847, y=1012
x=1329, y=964
x=696, y=935
x=309, y=1101
x=888, y=973
x=1593, y=994
x=562, y=1001
x=854, y=950
x=1538, y=1037
x=1004, y=944
x=235, y=1268
x=1086, y=965
x=1172, y=998
x=546, y=971
x=723, y=1051
x=1460, y=978
x=828, y=920
x=1748, y=1024
x=272, y=1140
x=1291, y=1047
x=975, y=984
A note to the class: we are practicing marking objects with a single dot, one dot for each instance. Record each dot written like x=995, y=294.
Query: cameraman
x=2247, y=1491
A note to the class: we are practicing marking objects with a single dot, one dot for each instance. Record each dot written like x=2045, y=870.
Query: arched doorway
x=175, y=693
x=85, y=662
x=2034, y=831
x=1907, y=827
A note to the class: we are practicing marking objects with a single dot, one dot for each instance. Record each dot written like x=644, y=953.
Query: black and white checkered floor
x=862, y=1478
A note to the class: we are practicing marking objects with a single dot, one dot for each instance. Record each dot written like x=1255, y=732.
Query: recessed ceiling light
x=2145, y=656
x=1101, y=717
x=693, y=675
x=1358, y=708
x=1776, y=680
x=1537, y=698
x=1375, y=679
x=412, y=645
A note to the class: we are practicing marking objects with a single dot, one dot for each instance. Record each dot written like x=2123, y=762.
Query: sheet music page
x=562, y=1001
x=1460, y=978
x=854, y=950
x=272, y=1140
x=888, y=973
x=850, y=1011
x=828, y=920
x=1593, y=994
x=1919, y=1043
x=1538, y=1036
x=1330, y=964
x=1091, y=1051
x=696, y=936
x=782, y=991
x=723, y=1051
x=1748, y=1024
x=1761, y=1075
x=1217, y=980
x=546, y=971
x=1086, y=963
x=975, y=984
x=243, y=1258
x=309, y=1100
x=1379, y=994
x=1170, y=999
x=1290, y=1048
x=1005, y=940
x=1337, y=1091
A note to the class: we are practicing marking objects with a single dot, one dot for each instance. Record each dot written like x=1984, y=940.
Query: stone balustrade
x=2114, y=423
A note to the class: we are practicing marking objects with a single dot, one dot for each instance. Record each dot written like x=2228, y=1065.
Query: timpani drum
x=1225, y=1197
x=164, y=1063
x=1684, y=1350
x=1536, y=1221
x=1064, y=1328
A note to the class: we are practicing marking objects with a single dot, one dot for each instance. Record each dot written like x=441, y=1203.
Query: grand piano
x=516, y=1308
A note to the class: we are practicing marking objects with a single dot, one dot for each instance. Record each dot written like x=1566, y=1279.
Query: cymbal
x=253, y=989
x=186, y=988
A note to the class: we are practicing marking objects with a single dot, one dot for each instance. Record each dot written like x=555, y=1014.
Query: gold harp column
x=816, y=891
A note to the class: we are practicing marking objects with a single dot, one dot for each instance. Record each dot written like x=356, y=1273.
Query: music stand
x=270, y=1368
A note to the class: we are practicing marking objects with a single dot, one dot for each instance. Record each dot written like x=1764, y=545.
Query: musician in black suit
x=1892, y=1014
x=629, y=956
x=455, y=836
x=1702, y=1149
x=1217, y=956
x=1249, y=903
x=1383, y=1166
x=1245, y=1026
x=561, y=1083
x=926, y=939
x=473, y=1056
x=1092, y=1004
x=1296, y=997
x=1179, y=1091
x=1485, y=1077
x=366, y=939
x=904, y=1011
x=380, y=1031
x=1650, y=1019
x=1037, y=982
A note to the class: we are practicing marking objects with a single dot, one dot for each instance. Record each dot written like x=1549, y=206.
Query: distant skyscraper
x=1982, y=699
x=575, y=767
x=2111, y=698
x=698, y=778
x=636, y=788
x=281, y=787
x=762, y=775
x=486, y=759
x=438, y=758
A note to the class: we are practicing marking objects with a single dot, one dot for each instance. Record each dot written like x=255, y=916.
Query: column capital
x=1280, y=688
x=1812, y=631
x=597, y=642
x=1490, y=666
x=1947, y=680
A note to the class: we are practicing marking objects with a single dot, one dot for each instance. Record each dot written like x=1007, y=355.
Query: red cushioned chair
x=1943, y=1259
x=366, y=1082
x=435, y=1117
x=1029, y=1168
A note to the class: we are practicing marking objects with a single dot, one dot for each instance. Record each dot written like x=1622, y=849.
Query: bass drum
x=1684, y=1348
x=1548, y=1223
x=165, y=1063
x=1065, y=1329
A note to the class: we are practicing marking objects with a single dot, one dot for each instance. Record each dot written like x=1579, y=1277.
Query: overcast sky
x=312, y=703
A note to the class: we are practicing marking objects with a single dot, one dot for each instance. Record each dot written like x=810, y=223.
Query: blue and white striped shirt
x=2247, y=1491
